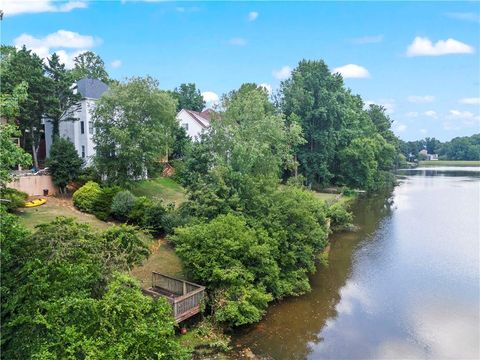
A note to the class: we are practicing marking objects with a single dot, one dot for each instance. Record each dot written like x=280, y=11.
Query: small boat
x=36, y=202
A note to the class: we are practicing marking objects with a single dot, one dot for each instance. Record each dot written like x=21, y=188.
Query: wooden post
x=184, y=288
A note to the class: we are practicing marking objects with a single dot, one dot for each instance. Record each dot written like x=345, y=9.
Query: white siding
x=192, y=127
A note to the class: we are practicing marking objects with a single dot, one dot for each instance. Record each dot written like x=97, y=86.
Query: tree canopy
x=188, y=97
x=64, y=163
x=134, y=124
x=89, y=65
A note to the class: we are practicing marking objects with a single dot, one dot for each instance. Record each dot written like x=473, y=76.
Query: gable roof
x=91, y=88
x=202, y=118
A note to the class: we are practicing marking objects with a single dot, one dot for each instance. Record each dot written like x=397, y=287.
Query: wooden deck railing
x=184, y=296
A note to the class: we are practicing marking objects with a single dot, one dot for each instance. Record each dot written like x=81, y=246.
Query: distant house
x=194, y=122
x=80, y=131
x=423, y=154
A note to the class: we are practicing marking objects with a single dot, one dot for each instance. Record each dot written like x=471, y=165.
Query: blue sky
x=420, y=60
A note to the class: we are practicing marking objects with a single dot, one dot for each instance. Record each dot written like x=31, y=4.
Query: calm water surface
x=406, y=285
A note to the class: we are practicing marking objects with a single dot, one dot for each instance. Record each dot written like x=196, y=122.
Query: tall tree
x=11, y=154
x=62, y=100
x=189, y=97
x=141, y=131
x=19, y=67
x=89, y=65
x=64, y=163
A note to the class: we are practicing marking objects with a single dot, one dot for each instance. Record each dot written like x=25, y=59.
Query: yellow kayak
x=36, y=202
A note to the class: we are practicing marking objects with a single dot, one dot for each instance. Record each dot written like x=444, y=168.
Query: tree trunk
x=55, y=129
x=35, y=155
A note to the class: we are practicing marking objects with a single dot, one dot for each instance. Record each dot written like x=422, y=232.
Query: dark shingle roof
x=91, y=88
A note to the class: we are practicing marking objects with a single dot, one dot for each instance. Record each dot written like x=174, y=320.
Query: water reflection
x=406, y=285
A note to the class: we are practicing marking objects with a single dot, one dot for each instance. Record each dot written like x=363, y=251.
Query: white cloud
x=116, y=64
x=421, y=99
x=67, y=57
x=465, y=16
x=282, y=73
x=412, y=114
x=470, y=101
x=423, y=46
x=267, y=87
x=252, y=16
x=210, y=97
x=388, y=104
x=368, y=39
x=431, y=113
x=457, y=119
x=237, y=41
x=17, y=7
x=59, y=39
x=423, y=131
x=58, y=42
x=352, y=71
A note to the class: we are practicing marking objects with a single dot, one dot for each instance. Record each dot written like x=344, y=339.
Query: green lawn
x=162, y=259
x=58, y=207
x=327, y=197
x=449, y=163
x=161, y=188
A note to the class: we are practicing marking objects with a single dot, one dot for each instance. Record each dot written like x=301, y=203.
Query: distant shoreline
x=449, y=163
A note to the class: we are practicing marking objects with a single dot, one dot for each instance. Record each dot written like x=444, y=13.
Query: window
x=90, y=127
x=82, y=127
x=185, y=126
x=83, y=151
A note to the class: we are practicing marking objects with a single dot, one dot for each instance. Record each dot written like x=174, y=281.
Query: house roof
x=91, y=88
x=203, y=118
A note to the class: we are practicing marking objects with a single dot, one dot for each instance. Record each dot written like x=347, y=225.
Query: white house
x=194, y=122
x=80, y=131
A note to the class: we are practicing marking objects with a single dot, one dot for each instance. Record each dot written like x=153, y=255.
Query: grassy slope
x=449, y=163
x=58, y=207
x=160, y=188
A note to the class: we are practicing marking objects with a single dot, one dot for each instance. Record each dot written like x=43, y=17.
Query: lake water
x=406, y=285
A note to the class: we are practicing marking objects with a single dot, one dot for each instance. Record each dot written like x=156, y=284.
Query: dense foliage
x=459, y=148
x=188, y=97
x=255, y=241
x=11, y=154
x=64, y=163
x=12, y=199
x=334, y=123
x=85, y=197
x=62, y=296
x=89, y=65
x=130, y=147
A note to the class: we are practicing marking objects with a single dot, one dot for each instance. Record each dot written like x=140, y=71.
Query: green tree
x=11, y=154
x=189, y=97
x=64, y=163
x=20, y=67
x=89, y=65
x=62, y=100
x=63, y=298
x=128, y=148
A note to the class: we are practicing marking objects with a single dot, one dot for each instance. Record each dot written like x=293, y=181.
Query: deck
x=185, y=297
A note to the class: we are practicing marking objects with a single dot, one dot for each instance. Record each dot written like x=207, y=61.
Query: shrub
x=125, y=239
x=12, y=198
x=122, y=204
x=85, y=197
x=136, y=215
x=340, y=217
x=154, y=219
x=103, y=203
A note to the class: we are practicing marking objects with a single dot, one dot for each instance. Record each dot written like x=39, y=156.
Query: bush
x=12, y=198
x=154, y=219
x=340, y=217
x=136, y=215
x=125, y=239
x=64, y=163
x=122, y=204
x=85, y=197
x=103, y=203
